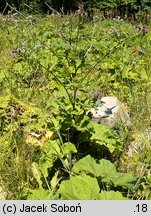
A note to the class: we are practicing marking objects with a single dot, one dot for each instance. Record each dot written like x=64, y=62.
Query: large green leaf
x=44, y=164
x=104, y=136
x=68, y=148
x=111, y=195
x=104, y=168
x=51, y=151
x=87, y=164
x=124, y=179
x=107, y=170
x=82, y=187
x=52, y=148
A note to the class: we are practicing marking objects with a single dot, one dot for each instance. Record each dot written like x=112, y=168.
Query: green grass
x=58, y=57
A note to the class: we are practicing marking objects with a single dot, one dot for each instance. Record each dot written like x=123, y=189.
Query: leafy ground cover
x=50, y=68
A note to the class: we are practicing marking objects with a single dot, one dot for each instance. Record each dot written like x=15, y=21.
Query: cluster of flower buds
x=141, y=29
x=118, y=19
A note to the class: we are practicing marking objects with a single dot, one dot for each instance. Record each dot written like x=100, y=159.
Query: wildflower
x=118, y=19
x=15, y=51
x=37, y=46
x=29, y=17
x=24, y=44
x=145, y=30
x=133, y=62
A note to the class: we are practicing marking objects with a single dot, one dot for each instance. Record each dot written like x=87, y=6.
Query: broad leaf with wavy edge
x=82, y=187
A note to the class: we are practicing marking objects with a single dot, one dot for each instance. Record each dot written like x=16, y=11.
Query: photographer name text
x=42, y=208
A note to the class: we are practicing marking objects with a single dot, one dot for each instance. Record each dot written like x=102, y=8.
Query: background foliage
x=123, y=8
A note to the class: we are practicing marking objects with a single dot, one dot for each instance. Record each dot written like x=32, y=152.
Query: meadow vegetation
x=50, y=67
